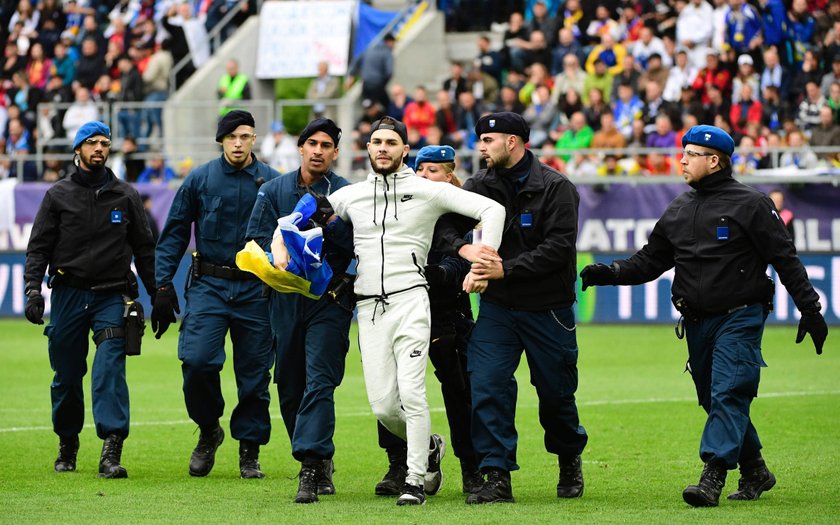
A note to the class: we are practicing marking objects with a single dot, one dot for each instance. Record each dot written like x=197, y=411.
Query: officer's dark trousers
x=74, y=313
x=311, y=340
x=213, y=307
x=724, y=353
x=451, y=370
x=495, y=348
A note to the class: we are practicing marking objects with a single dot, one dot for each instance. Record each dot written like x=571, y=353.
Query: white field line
x=441, y=409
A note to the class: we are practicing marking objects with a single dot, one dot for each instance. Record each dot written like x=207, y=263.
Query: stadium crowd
x=86, y=55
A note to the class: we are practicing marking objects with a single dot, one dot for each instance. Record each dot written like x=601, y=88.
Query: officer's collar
x=322, y=185
x=97, y=179
x=713, y=181
x=230, y=169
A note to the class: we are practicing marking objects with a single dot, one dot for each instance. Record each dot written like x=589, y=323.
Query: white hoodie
x=393, y=218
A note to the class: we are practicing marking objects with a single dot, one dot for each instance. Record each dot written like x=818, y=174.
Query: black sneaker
x=393, y=481
x=307, y=483
x=68, y=447
x=496, y=489
x=324, y=479
x=249, y=460
x=570, y=484
x=411, y=495
x=433, y=480
x=707, y=492
x=204, y=455
x=755, y=479
x=109, y=461
x=471, y=478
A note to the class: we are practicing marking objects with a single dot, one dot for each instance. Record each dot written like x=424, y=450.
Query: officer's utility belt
x=200, y=267
x=689, y=314
x=132, y=330
x=126, y=286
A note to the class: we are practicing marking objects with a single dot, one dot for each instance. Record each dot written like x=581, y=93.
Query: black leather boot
x=109, y=462
x=755, y=479
x=249, y=460
x=308, y=482
x=496, y=489
x=392, y=483
x=204, y=454
x=707, y=492
x=570, y=484
x=68, y=447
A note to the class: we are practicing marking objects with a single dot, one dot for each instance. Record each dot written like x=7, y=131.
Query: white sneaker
x=433, y=481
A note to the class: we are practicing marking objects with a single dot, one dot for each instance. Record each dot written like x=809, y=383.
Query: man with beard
x=87, y=230
x=311, y=337
x=393, y=215
x=719, y=238
x=526, y=306
x=217, y=198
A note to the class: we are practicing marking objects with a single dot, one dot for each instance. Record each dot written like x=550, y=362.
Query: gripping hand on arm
x=598, y=275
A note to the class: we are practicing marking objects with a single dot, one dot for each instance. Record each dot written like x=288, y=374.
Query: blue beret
x=91, y=129
x=503, y=122
x=710, y=137
x=436, y=154
x=320, y=124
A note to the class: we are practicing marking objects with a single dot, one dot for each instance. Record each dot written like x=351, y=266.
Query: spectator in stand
x=323, y=87
x=778, y=198
x=627, y=109
x=717, y=105
x=831, y=40
x=24, y=97
x=746, y=75
x=233, y=86
x=375, y=68
x=680, y=76
x=631, y=73
x=799, y=154
x=799, y=30
x=747, y=109
x=19, y=142
x=808, y=72
x=601, y=79
x=516, y=79
x=808, y=116
x=91, y=64
x=774, y=74
x=602, y=25
x=467, y=113
x=81, y=111
x=827, y=134
x=488, y=60
x=515, y=40
x=50, y=14
x=608, y=51
x=772, y=155
x=419, y=114
x=658, y=164
x=663, y=135
x=567, y=47
x=112, y=57
x=834, y=101
x=444, y=115
x=743, y=27
x=509, y=100
x=540, y=18
x=694, y=30
x=483, y=86
x=456, y=83
x=773, y=17
x=774, y=109
x=131, y=90
x=56, y=93
x=572, y=17
x=712, y=75
x=126, y=163
x=156, y=89
x=399, y=100
x=596, y=107
x=537, y=50
x=116, y=32
x=548, y=156
x=69, y=41
x=577, y=136
x=537, y=76
x=655, y=105
x=27, y=17
x=608, y=137
x=649, y=45
x=156, y=171
x=173, y=22
x=831, y=77
x=568, y=106
x=144, y=34
x=38, y=67
x=12, y=61
x=280, y=150
x=572, y=77
x=541, y=116
x=745, y=160
x=655, y=72
x=63, y=66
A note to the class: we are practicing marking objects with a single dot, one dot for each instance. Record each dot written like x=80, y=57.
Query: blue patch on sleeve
x=723, y=233
x=116, y=217
x=526, y=219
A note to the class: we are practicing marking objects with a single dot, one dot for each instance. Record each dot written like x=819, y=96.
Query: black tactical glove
x=324, y=211
x=34, y=309
x=598, y=275
x=164, y=309
x=435, y=275
x=812, y=323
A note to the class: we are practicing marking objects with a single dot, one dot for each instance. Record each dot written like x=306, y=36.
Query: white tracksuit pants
x=395, y=346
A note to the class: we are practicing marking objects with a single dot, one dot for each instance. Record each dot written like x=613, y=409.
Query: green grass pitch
x=635, y=402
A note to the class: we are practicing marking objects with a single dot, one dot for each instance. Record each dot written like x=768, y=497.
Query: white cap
x=745, y=59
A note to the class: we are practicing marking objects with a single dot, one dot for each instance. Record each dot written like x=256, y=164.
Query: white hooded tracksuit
x=393, y=218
